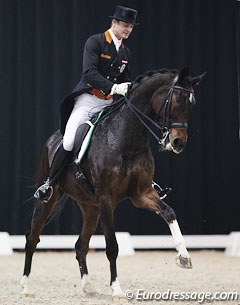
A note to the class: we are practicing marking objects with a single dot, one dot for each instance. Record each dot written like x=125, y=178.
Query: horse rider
x=105, y=73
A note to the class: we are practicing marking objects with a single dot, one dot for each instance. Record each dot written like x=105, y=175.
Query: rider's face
x=121, y=29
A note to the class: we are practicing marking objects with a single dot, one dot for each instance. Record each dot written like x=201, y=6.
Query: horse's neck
x=132, y=135
x=132, y=131
x=135, y=133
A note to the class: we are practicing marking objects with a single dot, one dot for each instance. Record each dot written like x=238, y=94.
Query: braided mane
x=150, y=73
x=143, y=77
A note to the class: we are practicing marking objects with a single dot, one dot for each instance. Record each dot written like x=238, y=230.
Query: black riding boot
x=45, y=191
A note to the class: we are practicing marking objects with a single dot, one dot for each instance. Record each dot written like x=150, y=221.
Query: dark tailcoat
x=102, y=67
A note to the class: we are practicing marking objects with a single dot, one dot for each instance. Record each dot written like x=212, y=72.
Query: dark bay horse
x=119, y=164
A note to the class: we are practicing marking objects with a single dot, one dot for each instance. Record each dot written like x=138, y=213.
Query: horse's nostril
x=178, y=143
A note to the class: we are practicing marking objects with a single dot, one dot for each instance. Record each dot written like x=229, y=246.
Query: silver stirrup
x=46, y=187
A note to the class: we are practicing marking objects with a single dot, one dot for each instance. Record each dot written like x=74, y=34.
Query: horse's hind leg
x=40, y=215
x=151, y=201
x=90, y=221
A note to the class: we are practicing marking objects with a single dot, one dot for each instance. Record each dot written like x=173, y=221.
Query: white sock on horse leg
x=178, y=239
x=25, y=285
x=117, y=291
x=86, y=283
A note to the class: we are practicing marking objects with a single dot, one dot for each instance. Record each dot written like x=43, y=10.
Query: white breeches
x=85, y=106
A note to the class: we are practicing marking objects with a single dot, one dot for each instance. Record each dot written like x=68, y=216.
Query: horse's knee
x=81, y=250
x=31, y=243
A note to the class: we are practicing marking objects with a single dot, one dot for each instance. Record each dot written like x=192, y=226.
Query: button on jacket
x=102, y=67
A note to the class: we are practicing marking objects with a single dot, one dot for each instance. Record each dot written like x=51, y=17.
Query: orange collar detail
x=108, y=37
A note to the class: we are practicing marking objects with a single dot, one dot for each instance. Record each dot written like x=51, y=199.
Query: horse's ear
x=183, y=74
x=197, y=79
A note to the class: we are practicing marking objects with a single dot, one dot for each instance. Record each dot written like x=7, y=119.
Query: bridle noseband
x=167, y=107
x=167, y=124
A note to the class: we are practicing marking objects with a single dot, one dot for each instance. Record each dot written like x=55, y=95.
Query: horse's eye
x=177, y=98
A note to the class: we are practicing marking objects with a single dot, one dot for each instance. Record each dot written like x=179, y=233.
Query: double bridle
x=167, y=124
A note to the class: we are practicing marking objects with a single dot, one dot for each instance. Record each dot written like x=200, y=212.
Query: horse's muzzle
x=176, y=141
x=178, y=145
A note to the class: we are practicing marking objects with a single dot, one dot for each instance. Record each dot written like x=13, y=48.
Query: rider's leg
x=84, y=107
x=44, y=192
x=61, y=158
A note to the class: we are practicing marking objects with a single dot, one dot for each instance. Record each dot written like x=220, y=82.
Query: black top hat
x=125, y=14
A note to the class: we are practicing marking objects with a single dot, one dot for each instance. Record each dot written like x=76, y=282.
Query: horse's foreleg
x=183, y=258
x=107, y=221
x=152, y=202
x=40, y=214
x=90, y=221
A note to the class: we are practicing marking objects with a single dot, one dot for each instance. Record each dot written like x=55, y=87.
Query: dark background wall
x=40, y=62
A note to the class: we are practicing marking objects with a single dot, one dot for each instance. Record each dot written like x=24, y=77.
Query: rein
x=139, y=113
x=117, y=105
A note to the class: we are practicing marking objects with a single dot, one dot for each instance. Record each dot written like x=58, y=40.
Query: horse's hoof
x=184, y=262
x=119, y=296
x=88, y=289
x=87, y=284
x=27, y=293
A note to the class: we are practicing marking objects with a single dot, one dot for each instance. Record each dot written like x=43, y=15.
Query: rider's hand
x=120, y=88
